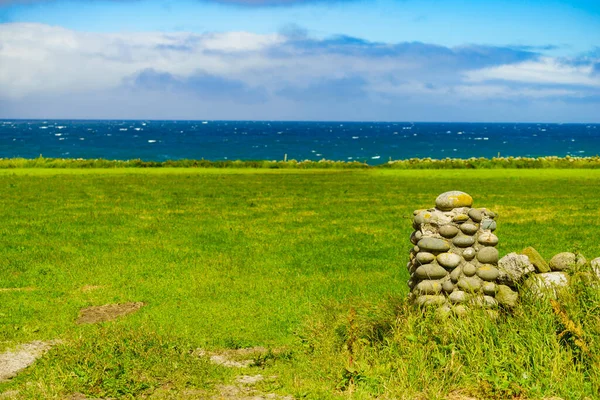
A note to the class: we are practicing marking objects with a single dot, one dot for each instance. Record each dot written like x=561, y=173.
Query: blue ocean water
x=373, y=142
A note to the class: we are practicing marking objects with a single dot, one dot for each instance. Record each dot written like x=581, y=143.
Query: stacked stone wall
x=454, y=259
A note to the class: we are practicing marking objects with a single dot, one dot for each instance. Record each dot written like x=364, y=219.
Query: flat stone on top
x=453, y=199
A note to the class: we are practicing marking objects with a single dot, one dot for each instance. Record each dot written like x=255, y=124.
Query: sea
x=371, y=142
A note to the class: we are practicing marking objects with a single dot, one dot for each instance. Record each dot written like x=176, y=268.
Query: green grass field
x=310, y=264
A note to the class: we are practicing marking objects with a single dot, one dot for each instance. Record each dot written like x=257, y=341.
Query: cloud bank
x=52, y=72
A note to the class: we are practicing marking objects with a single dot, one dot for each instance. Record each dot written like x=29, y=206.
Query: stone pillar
x=454, y=259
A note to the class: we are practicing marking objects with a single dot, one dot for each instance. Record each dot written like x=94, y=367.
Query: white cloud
x=545, y=70
x=51, y=62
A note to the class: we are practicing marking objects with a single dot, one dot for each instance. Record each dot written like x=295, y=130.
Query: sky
x=342, y=60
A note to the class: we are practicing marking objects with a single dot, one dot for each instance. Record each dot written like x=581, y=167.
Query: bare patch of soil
x=108, y=312
x=13, y=362
x=243, y=390
x=239, y=358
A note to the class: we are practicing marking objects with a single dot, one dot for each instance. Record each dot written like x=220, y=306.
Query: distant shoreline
x=567, y=162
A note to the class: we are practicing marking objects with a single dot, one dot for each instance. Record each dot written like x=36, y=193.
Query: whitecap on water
x=375, y=157
x=355, y=137
x=151, y=141
x=122, y=129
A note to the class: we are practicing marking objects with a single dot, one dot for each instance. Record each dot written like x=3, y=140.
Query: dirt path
x=13, y=362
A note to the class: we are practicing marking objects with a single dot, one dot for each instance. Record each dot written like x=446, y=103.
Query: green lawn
x=281, y=259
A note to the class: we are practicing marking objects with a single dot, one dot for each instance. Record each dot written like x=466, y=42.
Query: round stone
x=491, y=214
x=428, y=287
x=430, y=271
x=454, y=199
x=455, y=274
x=565, y=261
x=488, y=272
x=417, y=211
x=488, y=239
x=413, y=238
x=475, y=214
x=489, y=288
x=469, y=269
x=469, y=253
x=488, y=255
x=411, y=284
x=422, y=217
x=434, y=245
x=469, y=284
x=469, y=229
x=463, y=241
x=448, y=231
x=449, y=260
x=489, y=301
x=429, y=300
x=424, y=258
x=458, y=297
x=460, y=218
x=460, y=310
x=416, y=249
x=448, y=286
x=488, y=224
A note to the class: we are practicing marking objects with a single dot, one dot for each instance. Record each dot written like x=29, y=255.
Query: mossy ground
x=310, y=264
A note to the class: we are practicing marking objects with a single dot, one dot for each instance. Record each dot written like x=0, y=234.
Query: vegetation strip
x=567, y=162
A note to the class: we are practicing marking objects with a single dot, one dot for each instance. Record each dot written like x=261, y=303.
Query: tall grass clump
x=543, y=348
x=567, y=162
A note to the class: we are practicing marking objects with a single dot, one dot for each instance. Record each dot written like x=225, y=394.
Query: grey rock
x=469, y=229
x=488, y=239
x=488, y=255
x=489, y=301
x=458, y=297
x=469, y=269
x=422, y=217
x=469, y=253
x=595, y=264
x=455, y=274
x=430, y=271
x=460, y=310
x=413, y=238
x=488, y=272
x=565, y=261
x=449, y=260
x=469, y=284
x=547, y=284
x=488, y=224
x=536, y=259
x=448, y=231
x=453, y=199
x=460, y=218
x=428, y=287
x=448, y=286
x=433, y=245
x=475, y=214
x=506, y=296
x=514, y=268
x=489, y=288
x=424, y=257
x=430, y=300
x=463, y=241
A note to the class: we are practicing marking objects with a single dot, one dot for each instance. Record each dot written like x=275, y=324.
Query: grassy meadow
x=307, y=263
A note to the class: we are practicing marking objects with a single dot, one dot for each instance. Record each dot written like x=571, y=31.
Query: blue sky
x=427, y=60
